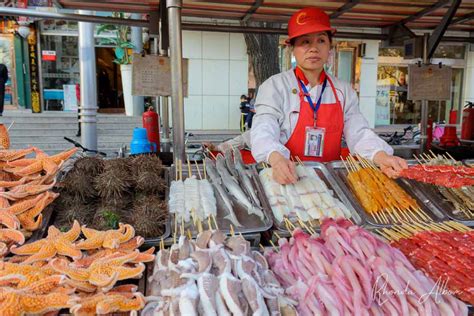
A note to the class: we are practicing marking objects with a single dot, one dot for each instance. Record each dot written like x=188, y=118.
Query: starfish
x=24, y=205
x=86, y=261
x=27, y=219
x=50, y=164
x=12, y=235
x=3, y=249
x=16, y=302
x=30, y=274
x=4, y=138
x=14, y=154
x=55, y=243
x=103, y=272
x=107, y=239
x=109, y=303
x=24, y=190
x=9, y=220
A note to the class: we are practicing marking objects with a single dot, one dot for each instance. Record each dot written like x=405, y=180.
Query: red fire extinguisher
x=151, y=124
x=467, y=131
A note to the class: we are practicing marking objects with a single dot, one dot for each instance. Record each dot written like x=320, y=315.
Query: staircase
x=46, y=131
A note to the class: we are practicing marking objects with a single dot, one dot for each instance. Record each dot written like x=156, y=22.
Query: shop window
x=393, y=107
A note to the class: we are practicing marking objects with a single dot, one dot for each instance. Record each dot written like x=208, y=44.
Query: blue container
x=140, y=143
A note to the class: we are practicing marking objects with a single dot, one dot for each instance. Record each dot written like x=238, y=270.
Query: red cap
x=306, y=21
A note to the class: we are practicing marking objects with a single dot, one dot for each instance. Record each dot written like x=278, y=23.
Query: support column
x=177, y=95
x=165, y=108
x=368, y=81
x=424, y=103
x=137, y=41
x=88, y=104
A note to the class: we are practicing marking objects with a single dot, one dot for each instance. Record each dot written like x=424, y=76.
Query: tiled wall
x=218, y=75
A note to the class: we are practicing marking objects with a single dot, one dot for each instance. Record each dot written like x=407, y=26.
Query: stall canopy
x=422, y=14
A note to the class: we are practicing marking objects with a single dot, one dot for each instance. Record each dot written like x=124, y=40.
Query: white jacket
x=278, y=107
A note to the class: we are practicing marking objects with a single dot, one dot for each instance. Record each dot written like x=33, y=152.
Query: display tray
x=469, y=162
x=250, y=223
x=339, y=171
x=50, y=213
x=323, y=173
x=436, y=197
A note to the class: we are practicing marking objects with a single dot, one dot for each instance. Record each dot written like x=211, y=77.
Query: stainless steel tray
x=432, y=193
x=339, y=172
x=250, y=223
x=331, y=183
x=469, y=162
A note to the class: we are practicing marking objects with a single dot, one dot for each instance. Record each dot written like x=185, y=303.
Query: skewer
x=232, y=232
x=175, y=227
x=273, y=245
x=204, y=168
x=210, y=152
x=215, y=222
x=261, y=247
x=199, y=172
x=387, y=237
x=190, y=173
x=176, y=170
x=182, y=226
x=190, y=236
x=209, y=223
x=454, y=160
x=276, y=234
x=299, y=160
x=162, y=246
x=199, y=226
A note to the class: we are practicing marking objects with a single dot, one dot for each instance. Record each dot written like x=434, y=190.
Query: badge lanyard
x=315, y=108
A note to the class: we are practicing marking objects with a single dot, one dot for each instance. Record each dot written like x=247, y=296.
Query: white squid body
x=207, y=199
x=176, y=198
x=192, y=203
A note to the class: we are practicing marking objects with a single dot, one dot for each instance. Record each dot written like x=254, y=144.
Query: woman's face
x=311, y=51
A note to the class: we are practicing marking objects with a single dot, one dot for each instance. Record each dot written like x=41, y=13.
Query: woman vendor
x=306, y=103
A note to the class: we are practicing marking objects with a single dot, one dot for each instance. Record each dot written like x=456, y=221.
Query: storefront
x=61, y=73
x=393, y=107
x=7, y=57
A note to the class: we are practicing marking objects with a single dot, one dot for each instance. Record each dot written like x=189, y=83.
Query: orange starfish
x=146, y=256
x=24, y=190
x=4, y=138
x=31, y=274
x=17, y=302
x=24, y=205
x=27, y=219
x=9, y=220
x=103, y=272
x=12, y=235
x=55, y=243
x=14, y=154
x=3, y=249
x=107, y=239
x=109, y=303
x=50, y=164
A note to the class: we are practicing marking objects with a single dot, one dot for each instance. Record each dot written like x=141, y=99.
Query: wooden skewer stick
x=276, y=234
x=261, y=247
x=232, y=232
x=190, y=172
x=273, y=245
x=182, y=226
x=204, y=168
x=190, y=236
x=199, y=172
x=175, y=227
x=215, y=221
x=176, y=169
x=209, y=223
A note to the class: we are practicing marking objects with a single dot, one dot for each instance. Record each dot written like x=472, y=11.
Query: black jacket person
x=3, y=81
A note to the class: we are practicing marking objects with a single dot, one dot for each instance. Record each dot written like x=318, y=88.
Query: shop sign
x=22, y=4
x=48, y=55
x=429, y=82
x=34, y=73
x=151, y=76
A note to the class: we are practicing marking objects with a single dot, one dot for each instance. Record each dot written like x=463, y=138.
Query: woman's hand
x=390, y=165
x=284, y=171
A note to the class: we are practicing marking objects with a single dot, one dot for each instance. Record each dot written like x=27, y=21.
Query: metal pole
x=137, y=41
x=88, y=84
x=424, y=103
x=165, y=113
x=177, y=96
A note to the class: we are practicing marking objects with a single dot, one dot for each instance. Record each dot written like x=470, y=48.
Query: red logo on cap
x=302, y=18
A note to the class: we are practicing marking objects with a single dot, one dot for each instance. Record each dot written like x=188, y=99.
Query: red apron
x=330, y=117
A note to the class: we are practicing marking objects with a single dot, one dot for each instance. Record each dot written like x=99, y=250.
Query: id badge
x=314, y=142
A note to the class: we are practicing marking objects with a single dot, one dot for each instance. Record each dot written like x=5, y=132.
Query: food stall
x=129, y=234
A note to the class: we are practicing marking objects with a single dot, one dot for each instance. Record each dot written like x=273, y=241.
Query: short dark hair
x=243, y=96
x=328, y=33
